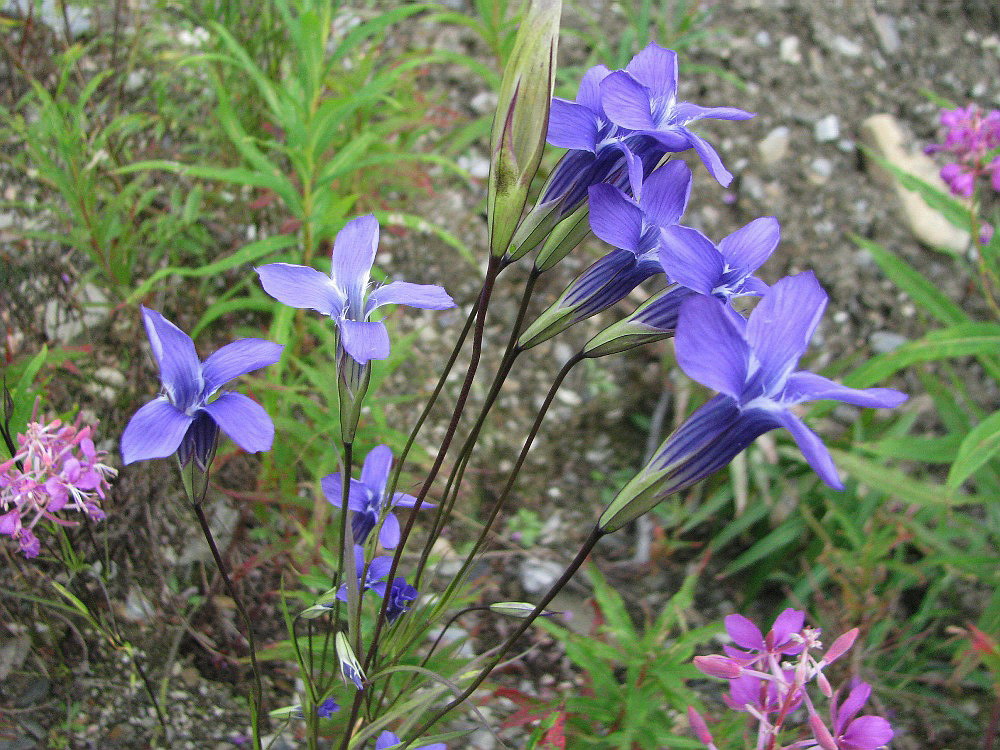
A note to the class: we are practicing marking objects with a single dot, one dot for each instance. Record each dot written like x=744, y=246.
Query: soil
x=818, y=69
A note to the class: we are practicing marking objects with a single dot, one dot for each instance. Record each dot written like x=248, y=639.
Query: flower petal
x=572, y=125
x=744, y=633
x=302, y=287
x=709, y=157
x=424, y=296
x=812, y=448
x=723, y=365
x=685, y=112
x=689, y=258
x=589, y=94
x=357, y=494
x=180, y=368
x=353, y=256
x=655, y=67
x=364, y=341
x=808, y=386
x=626, y=102
x=244, y=420
x=780, y=327
x=614, y=218
x=238, y=358
x=402, y=500
x=748, y=247
x=665, y=193
x=788, y=622
x=375, y=471
x=389, y=535
x=155, y=431
x=852, y=704
x=867, y=733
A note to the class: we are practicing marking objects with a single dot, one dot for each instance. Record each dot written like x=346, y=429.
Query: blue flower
x=366, y=498
x=377, y=569
x=387, y=741
x=401, y=596
x=187, y=416
x=344, y=295
x=643, y=99
x=327, y=708
x=752, y=365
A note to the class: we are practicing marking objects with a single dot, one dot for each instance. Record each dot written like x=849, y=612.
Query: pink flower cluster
x=56, y=468
x=767, y=680
x=971, y=137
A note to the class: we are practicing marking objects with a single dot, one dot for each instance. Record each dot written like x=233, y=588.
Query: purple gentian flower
x=387, y=740
x=643, y=98
x=327, y=708
x=344, y=295
x=401, y=596
x=633, y=226
x=367, y=498
x=186, y=418
x=377, y=569
x=850, y=733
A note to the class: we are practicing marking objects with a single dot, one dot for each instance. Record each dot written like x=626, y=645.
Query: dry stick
x=492, y=271
x=580, y=558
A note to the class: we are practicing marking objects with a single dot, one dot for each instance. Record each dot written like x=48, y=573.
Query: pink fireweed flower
x=851, y=732
x=56, y=469
x=971, y=137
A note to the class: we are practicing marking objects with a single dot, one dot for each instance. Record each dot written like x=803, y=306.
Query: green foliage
x=634, y=679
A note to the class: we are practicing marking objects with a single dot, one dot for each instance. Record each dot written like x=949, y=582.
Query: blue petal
x=572, y=126
x=626, y=102
x=665, y=193
x=780, y=327
x=358, y=496
x=808, y=386
x=685, y=112
x=750, y=246
x=710, y=347
x=589, y=94
x=302, y=287
x=812, y=448
x=425, y=296
x=375, y=471
x=364, y=341
x=662, y=313
x=238, y=358
x=709, y=157
x=402, y=500
x=244, y=420
x=614, y=218
x=656, y=67
x=688, y=257
x=180, y=368
x=389, y=535
x=154, y=431
x=353, y=256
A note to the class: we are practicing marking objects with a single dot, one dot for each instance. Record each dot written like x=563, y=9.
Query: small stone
x=762, y=39
x=827, y=129
x=883, y=342
x=887, y=33
x=477, y=166
x=484, y=102
x=788, y=50
x=537, y=576
x=774, y=147
x=845, y=46
x=820, y=170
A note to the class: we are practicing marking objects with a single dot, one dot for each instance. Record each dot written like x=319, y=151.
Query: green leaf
x=895, y=483
x=978, y=447
x=776, y=541
x=246, y=254
x=932, y=450
x=964, y=339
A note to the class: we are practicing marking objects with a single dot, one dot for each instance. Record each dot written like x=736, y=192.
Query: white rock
x=820, y=170
x=887, y=33
x=762, y=39
x=885, y=137
x=827, y=129
x=788, y=50
x=885, y=341
x=845, y=46
x=483, y=102
x=537, y=576
x=774, y=147
x=475, y=164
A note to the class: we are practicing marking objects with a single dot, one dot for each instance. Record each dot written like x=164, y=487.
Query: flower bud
x=350, y=668
x=520, y=610
x=521, y=122
x=716, y=665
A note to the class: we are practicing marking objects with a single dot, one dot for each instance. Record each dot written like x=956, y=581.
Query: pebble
x=762, y=39
x=774, y=147
x=820, y=170
x=788, y=50
x=475, y=164
x=887, y=33
x=883, y=342
x=484, y=102
x=827, y=129
x=537, y=576
x=845, y=46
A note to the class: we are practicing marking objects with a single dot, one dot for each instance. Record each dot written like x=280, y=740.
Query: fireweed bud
x=718, y=666
x=521, y=121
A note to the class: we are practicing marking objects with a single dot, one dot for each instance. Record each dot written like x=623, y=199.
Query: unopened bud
x=718, y=666
x=521, y=610
x=840, y=646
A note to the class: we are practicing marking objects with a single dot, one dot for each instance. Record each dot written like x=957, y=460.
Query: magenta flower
x=344, y=293
x=780, y=638
x=972, y=138
x=850, y=733
x=185, y=419
x=55, y=469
